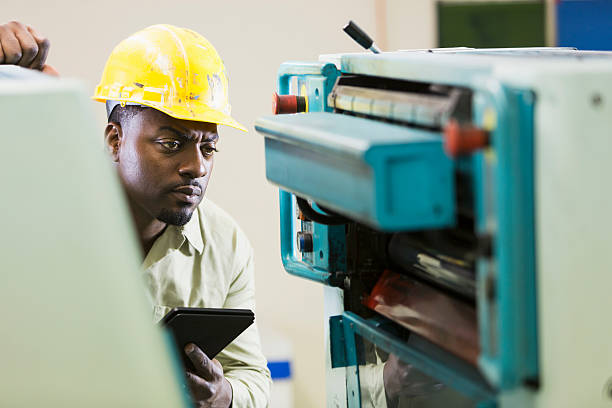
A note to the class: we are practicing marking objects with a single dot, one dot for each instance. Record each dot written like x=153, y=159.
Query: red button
x=288, y=104
x=463, y=139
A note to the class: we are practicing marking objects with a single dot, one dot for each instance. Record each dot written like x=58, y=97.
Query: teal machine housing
x=377, y=152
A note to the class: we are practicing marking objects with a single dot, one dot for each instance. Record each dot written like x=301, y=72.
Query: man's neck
x=148, y=228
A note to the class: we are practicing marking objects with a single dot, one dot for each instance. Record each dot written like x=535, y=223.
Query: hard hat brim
x=198, y=112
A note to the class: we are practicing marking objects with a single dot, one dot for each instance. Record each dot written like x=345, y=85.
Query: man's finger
x=201, y=362
x=200, y=388
x=50, y=70
x=43, y=49
x=29, y=47
x=10, y=46
x=33, y=31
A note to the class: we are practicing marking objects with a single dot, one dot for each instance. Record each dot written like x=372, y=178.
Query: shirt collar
x=193, y=233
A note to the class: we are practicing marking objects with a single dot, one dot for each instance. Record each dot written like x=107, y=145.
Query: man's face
x=164, y=164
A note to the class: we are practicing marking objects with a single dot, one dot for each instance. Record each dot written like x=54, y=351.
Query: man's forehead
x=188, y=128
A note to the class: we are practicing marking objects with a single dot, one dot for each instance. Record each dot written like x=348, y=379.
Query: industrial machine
x=453, y=204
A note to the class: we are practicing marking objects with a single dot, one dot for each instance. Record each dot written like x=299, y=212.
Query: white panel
x=335, y=377
x=76, y=327
x=574, y=221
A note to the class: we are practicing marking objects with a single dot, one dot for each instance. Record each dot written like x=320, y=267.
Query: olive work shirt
x=208, y=262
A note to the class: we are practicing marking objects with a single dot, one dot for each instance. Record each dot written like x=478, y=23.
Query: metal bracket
x=337, y=343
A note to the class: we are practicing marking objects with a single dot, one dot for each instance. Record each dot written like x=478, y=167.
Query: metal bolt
x=347, y=283
x=437, y=209
x=596, y=99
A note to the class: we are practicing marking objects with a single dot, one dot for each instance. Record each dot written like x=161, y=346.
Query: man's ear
x=113, y=136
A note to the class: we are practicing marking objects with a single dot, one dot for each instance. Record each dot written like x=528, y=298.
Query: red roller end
x=460, y=140
x=282, y=104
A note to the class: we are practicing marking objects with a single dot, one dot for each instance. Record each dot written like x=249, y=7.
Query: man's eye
x=208, y=151
x=171, y=145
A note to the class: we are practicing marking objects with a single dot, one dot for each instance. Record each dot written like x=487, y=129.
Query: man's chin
x=177, y=217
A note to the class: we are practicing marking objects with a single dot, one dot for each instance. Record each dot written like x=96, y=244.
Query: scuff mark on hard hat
x=164, y=64
x=202, y=47
x=216, y=92
x=138, y=84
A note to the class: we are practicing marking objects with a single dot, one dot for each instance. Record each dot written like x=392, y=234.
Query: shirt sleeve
x=244, y=364
x=372, y=387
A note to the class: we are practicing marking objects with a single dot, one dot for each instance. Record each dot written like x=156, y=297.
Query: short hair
x=122, y=114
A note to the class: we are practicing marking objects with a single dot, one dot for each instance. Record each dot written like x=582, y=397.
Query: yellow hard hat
x=171, y=69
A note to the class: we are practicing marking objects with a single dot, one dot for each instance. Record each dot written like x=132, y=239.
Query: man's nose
x=193, y=164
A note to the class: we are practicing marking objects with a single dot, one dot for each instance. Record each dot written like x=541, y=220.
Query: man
x=165, y=90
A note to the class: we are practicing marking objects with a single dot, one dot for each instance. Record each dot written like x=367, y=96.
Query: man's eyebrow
x=210, y=137
x=180, y=133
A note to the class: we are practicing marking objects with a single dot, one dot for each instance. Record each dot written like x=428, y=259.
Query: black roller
x=445, y=271
x=313, y=215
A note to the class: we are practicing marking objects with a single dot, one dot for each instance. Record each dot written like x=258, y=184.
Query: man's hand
x=209, y=388
x=21, y=45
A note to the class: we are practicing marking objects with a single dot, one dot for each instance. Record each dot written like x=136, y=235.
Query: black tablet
x=210, y=329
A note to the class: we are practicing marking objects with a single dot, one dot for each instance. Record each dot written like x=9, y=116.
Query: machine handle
x=293, y=265
x=362, y=38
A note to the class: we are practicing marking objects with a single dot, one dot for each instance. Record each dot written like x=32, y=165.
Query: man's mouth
x=187, y=194
x=189, y=190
